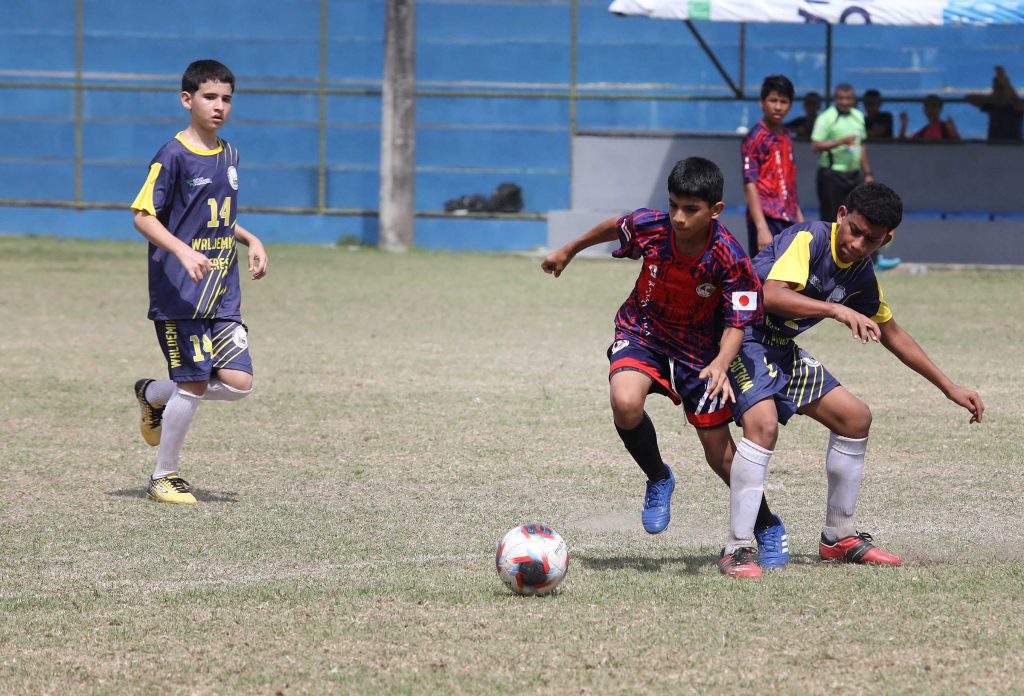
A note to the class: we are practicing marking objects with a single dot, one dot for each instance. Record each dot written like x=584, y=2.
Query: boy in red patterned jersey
x=769, y=172
x=679, y=329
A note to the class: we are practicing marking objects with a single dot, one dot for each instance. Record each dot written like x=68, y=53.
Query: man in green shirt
x=838, y=138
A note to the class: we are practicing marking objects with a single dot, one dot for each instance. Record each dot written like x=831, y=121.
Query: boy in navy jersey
x=187, y=210
x=678, y=331
x=813, y=271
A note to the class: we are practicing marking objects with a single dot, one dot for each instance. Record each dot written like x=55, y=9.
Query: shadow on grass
x=203, y=496
x=691, y=564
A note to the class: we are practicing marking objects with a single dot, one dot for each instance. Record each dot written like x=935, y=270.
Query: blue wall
x=465, y=144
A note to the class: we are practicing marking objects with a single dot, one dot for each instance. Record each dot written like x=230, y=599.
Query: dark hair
x=697, y=177
x=779, y=84
x=878, y=203
x=933, y=99
x=202, y=71
x=812, y=96
x=868, y=93
x=844, y=87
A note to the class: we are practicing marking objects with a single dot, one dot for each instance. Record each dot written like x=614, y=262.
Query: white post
x=398, y=127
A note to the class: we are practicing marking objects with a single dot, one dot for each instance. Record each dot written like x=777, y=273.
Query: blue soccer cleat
x=658, y=504
x=772, y=545
x=886, y=263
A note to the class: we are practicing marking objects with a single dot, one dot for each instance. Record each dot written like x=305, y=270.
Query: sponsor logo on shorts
x=809, y=361
x=171, y=341
x=706, y=289
x=240, y=337
x=233, y=177
x=619, y=345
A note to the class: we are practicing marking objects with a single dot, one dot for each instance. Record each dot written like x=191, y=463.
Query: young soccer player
x=678, y=331
x=187, y=210
x=814, y=271
x=769, y=172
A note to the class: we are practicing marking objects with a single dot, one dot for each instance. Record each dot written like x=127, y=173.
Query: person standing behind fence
x=769, y=171
x=1004, y=107
x=937, y=128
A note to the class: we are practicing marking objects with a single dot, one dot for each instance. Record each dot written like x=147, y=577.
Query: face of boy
x=691, y=217
x=845, y=100
x=857, y=238
x=775, y=108
x=210, y=105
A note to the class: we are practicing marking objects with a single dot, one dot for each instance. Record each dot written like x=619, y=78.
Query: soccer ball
x=532, y=559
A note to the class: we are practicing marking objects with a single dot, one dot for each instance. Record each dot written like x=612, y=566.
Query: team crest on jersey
x=837, y=295
x=619, y=345
x=240, y=337
x=233, y=177
x=706, y=289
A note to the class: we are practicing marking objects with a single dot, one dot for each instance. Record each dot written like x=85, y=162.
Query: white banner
x=892, y=12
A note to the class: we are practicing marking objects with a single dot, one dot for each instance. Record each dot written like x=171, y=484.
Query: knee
x=763, y=432
x=627, y=410
x=233, y=389
x=858, y=422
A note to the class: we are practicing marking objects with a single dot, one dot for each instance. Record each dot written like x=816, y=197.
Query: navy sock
x=642, y=443
x=764, y=515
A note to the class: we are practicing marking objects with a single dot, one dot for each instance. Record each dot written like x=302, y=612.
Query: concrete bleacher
x=515, y=58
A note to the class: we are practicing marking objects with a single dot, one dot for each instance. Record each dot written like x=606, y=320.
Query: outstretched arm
x=903, y=346
x=555, y=262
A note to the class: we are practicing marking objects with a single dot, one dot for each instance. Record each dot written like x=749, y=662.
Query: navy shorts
x=775, y=225
x=674, y=379
x=776, y=367
x=196, y=348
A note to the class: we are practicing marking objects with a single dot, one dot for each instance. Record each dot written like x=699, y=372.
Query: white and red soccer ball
x=532, y=559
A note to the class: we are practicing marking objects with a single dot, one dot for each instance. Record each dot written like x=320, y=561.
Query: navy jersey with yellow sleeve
x=194, y=193
x=805, y=255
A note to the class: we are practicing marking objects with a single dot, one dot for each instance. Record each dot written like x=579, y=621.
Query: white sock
x=218, y=391
x=177, y=418
x=746, y=487
x=159, y=391
x=844, y=464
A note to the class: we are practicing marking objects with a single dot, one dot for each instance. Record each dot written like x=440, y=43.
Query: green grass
x=408, y=410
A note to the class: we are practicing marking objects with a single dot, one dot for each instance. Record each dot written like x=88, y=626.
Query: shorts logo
x=619, y=345
x=240, y=337
x=706, y=289
x=809, y=361
x=233, y=177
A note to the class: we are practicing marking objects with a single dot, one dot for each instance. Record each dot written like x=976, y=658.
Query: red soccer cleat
x=856, y=549
x=739, y=564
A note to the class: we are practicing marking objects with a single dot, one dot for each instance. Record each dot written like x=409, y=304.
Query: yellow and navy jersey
x=805, y=255
x=194, y=193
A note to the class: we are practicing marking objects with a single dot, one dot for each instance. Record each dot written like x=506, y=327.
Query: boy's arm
x=195, y=264
x=781, y=298
x=257, y=254
x=903, y=346
x=864, y=164
x=799, y=214
x=764, y=235
x=555, y=262
x=718, y=369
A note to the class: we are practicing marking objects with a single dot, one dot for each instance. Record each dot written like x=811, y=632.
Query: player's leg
x=849, y=422
x=152, y=395
x=634, y=371
x=232, y=363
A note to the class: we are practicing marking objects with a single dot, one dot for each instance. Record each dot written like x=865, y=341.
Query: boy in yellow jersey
x=187, y=210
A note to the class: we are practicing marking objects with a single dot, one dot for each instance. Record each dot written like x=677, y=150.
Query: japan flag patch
x=745, y=301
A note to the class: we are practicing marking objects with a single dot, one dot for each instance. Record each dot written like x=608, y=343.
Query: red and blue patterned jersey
x=681, y=304
x=194, y=193
x=768, y=163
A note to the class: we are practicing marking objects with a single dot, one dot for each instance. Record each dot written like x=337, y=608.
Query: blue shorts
x=674, y=379
x=196, y=348
x=776, y=367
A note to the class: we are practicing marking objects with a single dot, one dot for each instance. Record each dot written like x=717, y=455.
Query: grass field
x=411, y=408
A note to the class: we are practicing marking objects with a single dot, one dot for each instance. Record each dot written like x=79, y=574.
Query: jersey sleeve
x=632, y=231
x=822, y=125
x=872, y=304
x=794, y=264
x=742, y=297
x=751, y=161
x=155, y=193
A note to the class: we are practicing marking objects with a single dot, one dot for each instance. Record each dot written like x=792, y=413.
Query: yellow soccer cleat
x=171, y=489
x=152, y=416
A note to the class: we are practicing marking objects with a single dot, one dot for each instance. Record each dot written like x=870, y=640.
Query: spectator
x=838, y=138
x=1004, y=107
x=936, y=128
x=878, y=122
x=801, y=126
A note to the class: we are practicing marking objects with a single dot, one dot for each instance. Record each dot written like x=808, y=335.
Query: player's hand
x=195, y=264
x=970, y=400
x=764, y=237
x=555, y=262
x=848, y=140
x=257, y=259
x=861, y=327
x=718, y=383
x=903, y=119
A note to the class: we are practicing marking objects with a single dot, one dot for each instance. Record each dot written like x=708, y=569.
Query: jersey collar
x=219, y=148
x=835, y=257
